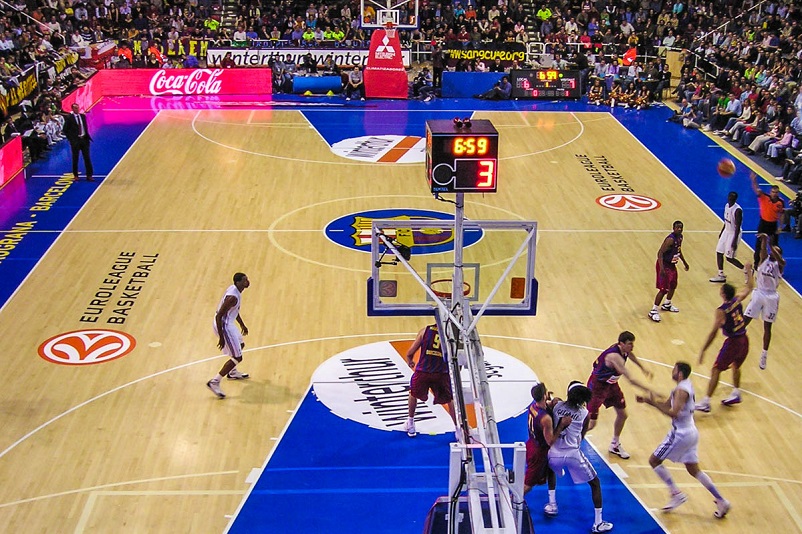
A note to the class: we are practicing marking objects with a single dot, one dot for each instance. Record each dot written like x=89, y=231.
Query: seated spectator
x=500, y=91
x=777, y=148
x=329, y=66
x=692, y=118
x=355, y=84
x=309, y=64
x=421, y=81
x=228, y=61
x=759, y=144
x=596, y=93
x=644, y=98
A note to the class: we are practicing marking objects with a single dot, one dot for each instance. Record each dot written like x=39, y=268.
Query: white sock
x=721, y=273
x=702, y=477
x=667, y=303
x=615, y=441
x=217, y=379
x=764, y=352
x=410, y=420
x=598, y=515
x=736, y=391
x=552, y=496
x=706, y=400
x=654, y=308
x=665, y=476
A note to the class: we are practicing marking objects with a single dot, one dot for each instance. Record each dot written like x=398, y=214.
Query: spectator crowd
x=741, y=75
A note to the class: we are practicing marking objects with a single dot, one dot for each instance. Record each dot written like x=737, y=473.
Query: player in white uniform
x=565, y=454
x=765, y=299
x=729, y=237
x=681, y=443
x=229, y=338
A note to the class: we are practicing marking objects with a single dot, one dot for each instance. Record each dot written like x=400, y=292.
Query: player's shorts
x=667, y=280
x=610, y=395
x=725, y=245
x=537, y=464
x=574, y=462
x=233, y=339
x=733, y=353
x=680, y=445
x=763, y=305
x=439, y=383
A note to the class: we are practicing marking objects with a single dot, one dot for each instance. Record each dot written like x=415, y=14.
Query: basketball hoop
x=389, y=29
x=447, y=291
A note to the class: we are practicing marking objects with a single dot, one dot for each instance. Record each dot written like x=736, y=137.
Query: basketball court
x=110, y=288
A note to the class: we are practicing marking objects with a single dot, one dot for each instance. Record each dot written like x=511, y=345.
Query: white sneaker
x=763, y=357
x=676, y=500
x=719, y=278
x=722, y=507
x=234, y=374
x=669, y=308
x=618, y=450
x=550, y=509
x=734, y=398
x=702, y=407
x=604, y=526
x=362, y=99
x=654, y=316
x=215, y=387
x=410, y=428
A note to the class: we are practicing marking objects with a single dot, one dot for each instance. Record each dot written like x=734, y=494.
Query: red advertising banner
x=170, y=82
x=10, y=160
x=385, y=76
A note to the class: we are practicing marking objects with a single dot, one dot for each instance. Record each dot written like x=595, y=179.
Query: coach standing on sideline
x=77, y=132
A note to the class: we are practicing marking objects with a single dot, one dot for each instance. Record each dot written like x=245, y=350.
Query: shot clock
x=546, y=83
x=461, y=160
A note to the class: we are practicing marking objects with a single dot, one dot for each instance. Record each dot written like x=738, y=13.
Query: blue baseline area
x=332, y=475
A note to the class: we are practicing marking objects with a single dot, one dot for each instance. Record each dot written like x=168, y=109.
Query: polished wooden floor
x=140, y=445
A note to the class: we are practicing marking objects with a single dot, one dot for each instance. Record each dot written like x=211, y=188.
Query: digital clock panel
x=461, y=160
x=546, y=83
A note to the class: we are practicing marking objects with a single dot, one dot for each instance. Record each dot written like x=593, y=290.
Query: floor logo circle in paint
x=382, y=148
x=87, y=347
x=370, y=385
x=354, y=231
x=627, y=202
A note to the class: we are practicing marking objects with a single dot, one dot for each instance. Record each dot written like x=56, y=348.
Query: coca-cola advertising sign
x=192, y=82
x=171, y=82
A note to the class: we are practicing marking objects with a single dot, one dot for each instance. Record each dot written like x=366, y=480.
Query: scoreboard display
x=461, y=159
x=546, y=83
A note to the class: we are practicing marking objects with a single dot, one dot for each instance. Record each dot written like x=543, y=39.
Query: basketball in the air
x=726, y=168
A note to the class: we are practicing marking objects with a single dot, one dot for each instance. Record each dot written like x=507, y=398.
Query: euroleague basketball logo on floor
x=628, y=202
x=382, y=148
x=370, y=385
x=87, y=347
x=354, y=231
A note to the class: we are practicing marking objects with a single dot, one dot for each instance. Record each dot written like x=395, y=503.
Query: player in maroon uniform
x=730, y=319
x=608, y=368
x=541, y=436
x=667, y=257
x=431, y=372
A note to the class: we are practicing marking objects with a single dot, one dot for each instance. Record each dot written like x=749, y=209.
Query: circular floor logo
x=370, y=385
x=625, y=202
x=87, y=347
x=382, y=148
x=354, y=231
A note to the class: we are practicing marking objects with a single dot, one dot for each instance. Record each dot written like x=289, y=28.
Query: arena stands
x=749, y=52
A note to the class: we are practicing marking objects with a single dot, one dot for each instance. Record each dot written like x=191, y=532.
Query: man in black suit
x=77, y=132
